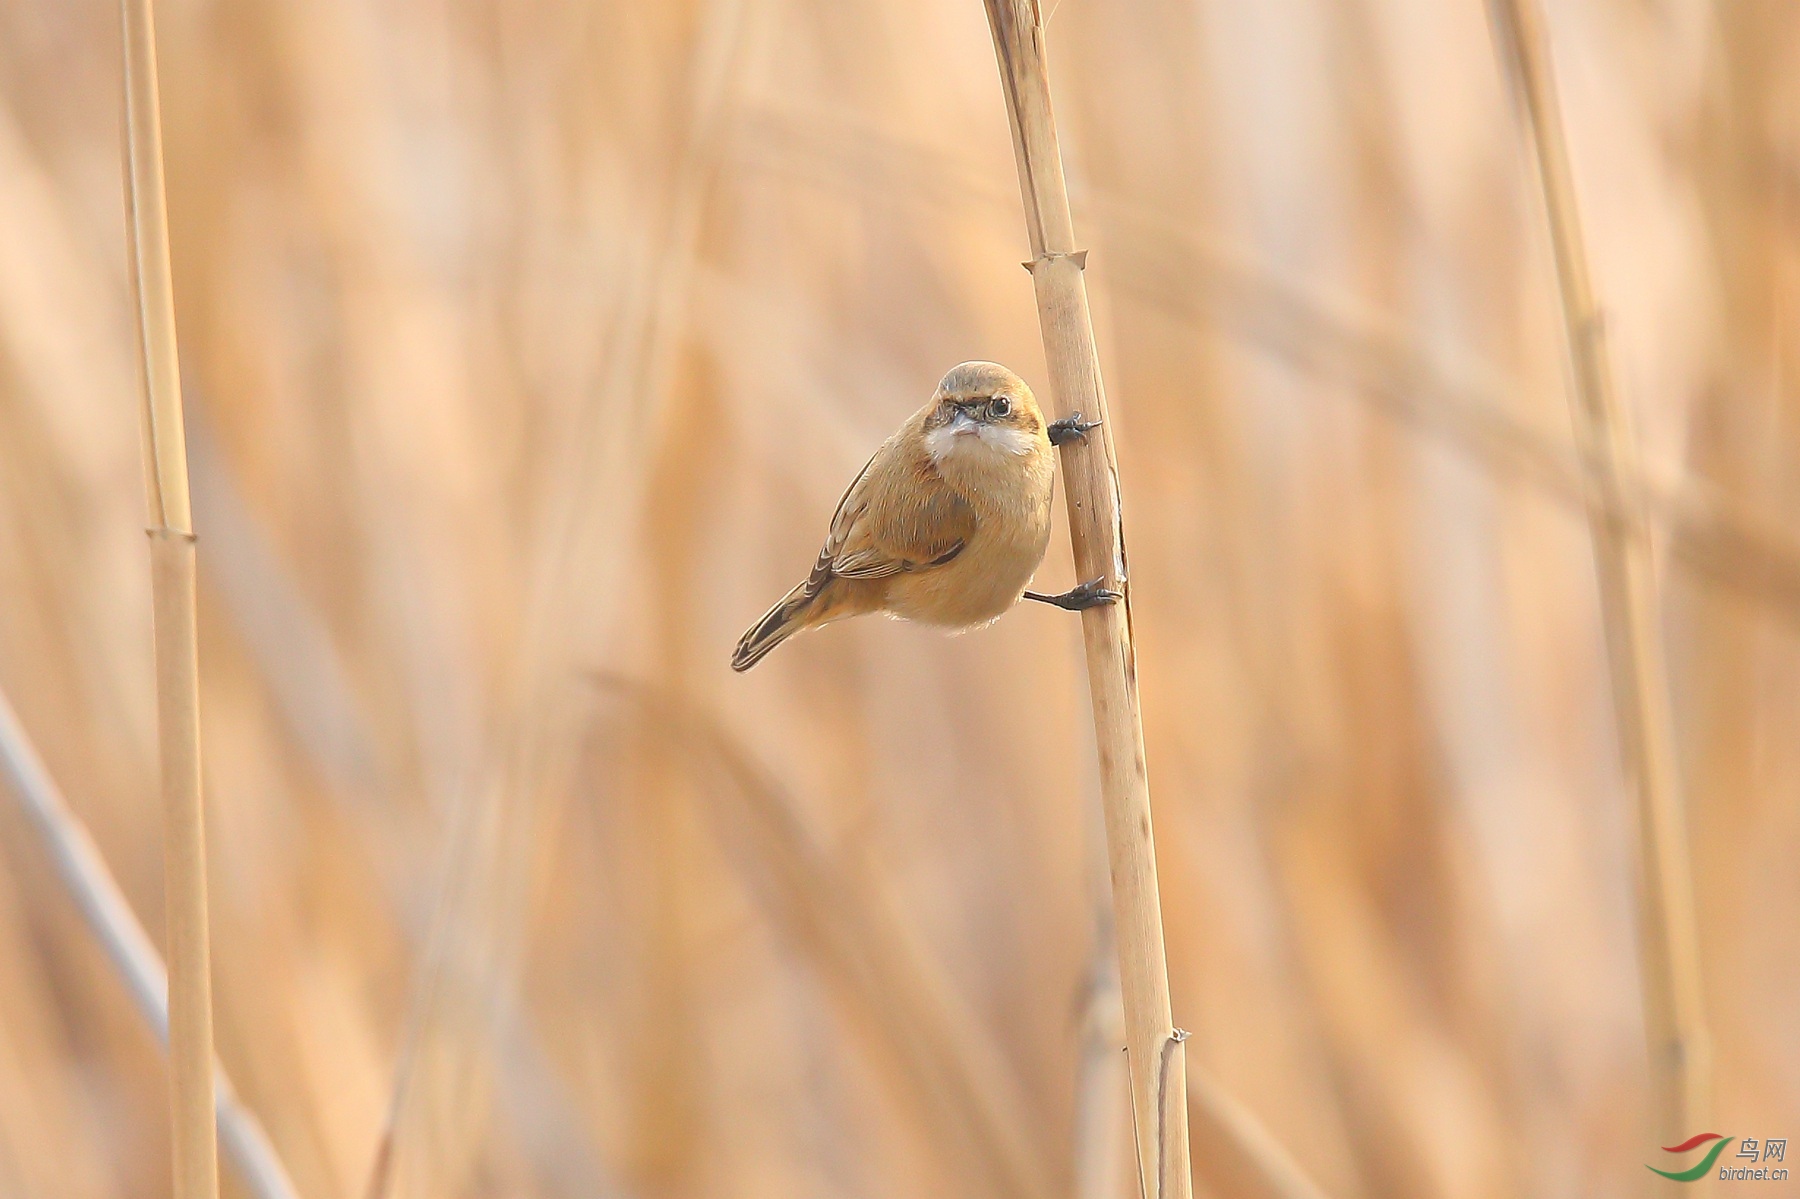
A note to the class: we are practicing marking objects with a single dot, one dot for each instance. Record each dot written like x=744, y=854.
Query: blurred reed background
x=528, y=345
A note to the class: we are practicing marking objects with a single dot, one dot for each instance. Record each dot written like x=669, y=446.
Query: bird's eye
x=1000, y=406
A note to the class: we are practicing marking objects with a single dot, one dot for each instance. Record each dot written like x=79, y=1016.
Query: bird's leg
x=1090, y=594
x=1070, y=428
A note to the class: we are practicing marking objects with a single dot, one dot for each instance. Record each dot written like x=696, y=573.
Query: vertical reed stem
x=173, y=599
x=1669, y=957
x=1091, y=479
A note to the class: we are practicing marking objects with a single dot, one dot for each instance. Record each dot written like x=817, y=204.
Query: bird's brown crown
x=987, y=393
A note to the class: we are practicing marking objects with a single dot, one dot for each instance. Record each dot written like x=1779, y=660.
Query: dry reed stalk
x=194, y=1148
x=85, y=876
x=1091, y=482
x=1669, y=947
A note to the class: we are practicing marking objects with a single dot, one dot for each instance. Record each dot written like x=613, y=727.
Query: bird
x=946, y=523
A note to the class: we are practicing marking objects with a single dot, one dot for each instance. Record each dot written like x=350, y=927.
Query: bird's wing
x=867, y=563
x=898, y=516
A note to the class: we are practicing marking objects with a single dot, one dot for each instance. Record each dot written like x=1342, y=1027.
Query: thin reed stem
x=177, y=636
x=109, y=917
x=1674, y=1020
x=1091, y=480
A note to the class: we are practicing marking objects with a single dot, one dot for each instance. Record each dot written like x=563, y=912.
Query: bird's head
x=983, y=407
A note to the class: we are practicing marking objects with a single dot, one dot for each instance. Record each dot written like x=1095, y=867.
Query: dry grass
x=530, y=341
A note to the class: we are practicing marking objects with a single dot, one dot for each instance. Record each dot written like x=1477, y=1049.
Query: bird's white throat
x=964, y=436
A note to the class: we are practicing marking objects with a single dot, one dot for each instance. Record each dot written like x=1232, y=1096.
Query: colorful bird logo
x=1706, y=1163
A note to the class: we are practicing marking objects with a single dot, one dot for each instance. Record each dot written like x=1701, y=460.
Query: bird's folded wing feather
x=898, y=516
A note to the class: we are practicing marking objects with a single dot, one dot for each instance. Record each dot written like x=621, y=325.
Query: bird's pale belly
x=978, y=585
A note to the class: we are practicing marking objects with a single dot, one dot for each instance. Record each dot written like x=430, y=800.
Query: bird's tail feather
x=777, y=625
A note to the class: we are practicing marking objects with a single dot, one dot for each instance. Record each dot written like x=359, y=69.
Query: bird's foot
x=1091, y=594
x=1070, y=428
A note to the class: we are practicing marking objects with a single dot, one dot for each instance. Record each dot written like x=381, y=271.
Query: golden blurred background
x=527, y=346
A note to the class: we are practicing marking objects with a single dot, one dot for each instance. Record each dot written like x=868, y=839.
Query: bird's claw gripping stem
x=1091, y=594
x=1070, y=428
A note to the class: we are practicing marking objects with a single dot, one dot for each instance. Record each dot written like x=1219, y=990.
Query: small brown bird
x=945, y=524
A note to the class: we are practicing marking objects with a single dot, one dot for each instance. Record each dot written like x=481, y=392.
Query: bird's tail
x=779, y=623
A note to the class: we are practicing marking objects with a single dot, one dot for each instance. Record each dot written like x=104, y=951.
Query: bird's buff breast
x=987, y=578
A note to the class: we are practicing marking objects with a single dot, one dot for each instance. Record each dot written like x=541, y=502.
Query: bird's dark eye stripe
x=982, y=406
